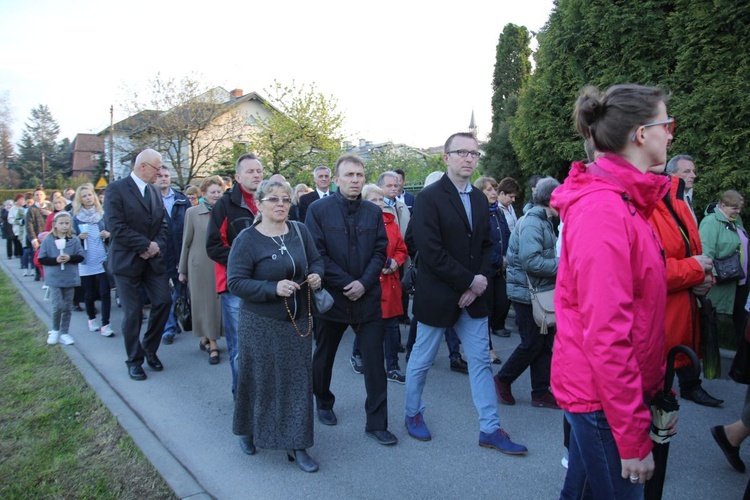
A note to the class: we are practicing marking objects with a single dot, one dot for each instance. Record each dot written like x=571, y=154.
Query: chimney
x=362, y=143
x=235, y=94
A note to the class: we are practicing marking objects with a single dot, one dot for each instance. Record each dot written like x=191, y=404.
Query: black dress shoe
x=731, y=452
x=246, y=444
x=327, y=417
x=382, y=437
x=699, y=396
x=459, y=365
x=136, y=372
x=154, y=362
x=304, y=461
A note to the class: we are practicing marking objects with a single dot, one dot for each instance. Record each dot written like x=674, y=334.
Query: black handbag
x=729, y=268
x=409, y=281
x=182, y=309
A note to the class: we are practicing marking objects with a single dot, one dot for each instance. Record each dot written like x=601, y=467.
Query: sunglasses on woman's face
x=669, y=126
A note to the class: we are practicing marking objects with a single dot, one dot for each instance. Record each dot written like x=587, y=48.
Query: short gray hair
x=387, y=173
x=544, y=190
x=672, y=164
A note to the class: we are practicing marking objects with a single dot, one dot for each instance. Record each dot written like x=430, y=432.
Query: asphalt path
x=182, y=419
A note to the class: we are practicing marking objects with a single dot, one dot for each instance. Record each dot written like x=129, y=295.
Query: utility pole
x=111, y=142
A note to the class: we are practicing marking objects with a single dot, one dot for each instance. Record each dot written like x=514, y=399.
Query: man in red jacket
x=234, y=211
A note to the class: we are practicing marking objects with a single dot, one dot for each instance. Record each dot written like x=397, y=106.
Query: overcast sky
x=404, y=71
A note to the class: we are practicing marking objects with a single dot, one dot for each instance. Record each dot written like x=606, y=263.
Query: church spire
x=473, y=125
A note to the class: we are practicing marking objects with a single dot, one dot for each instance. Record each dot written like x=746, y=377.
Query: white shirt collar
x=139, y=182
x=323, y=193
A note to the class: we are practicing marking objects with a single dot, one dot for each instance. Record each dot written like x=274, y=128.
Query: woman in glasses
x=611, y=292
x=724, y=236
x=273, y=267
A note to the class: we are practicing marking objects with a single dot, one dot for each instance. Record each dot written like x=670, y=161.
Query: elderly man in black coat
x=135, y=217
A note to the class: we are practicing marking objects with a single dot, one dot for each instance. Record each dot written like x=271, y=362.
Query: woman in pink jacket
x=611, y=292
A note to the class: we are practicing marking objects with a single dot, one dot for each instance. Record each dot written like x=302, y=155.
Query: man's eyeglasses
x=463, y=153
x=276, y=199
x=669, y=125
x=155, y=168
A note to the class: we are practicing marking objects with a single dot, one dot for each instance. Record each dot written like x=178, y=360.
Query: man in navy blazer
x=405, y=196
x=451, y=230
x=322, y=179
x=135, y=217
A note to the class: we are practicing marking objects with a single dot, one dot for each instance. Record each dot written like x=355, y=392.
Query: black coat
x=451, y=252
x=351, y=238
x=304, y=203
x=133, y=226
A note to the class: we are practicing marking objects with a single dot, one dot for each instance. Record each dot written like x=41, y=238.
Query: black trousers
x=129, y=291
x=534, y=351
x=497, y=300
x=14, y=247
x=370, y=341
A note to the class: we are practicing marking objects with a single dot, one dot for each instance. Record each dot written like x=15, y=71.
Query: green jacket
x=720, y=240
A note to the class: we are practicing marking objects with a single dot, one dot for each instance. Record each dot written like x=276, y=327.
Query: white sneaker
x=53, y=337
x=93, y=325
x=66, y=339
x=107, y=331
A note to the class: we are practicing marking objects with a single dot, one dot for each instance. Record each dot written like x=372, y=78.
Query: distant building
x=138, y=130
x=88, y=150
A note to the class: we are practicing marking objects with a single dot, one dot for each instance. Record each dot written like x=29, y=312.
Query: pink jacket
x=610, y=298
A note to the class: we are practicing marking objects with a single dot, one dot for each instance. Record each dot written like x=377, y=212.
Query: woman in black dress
x=274, y=272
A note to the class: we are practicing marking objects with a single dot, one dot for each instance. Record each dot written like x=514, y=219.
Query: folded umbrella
x=664, y=407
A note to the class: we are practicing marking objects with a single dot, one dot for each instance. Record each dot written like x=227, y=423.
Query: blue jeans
x=27, y=258
x=473, y=335
x=172, y=327
x=594, y=469
x=230, y=315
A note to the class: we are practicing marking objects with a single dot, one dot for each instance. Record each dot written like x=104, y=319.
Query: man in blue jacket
x=351, y=238
x=175, y=206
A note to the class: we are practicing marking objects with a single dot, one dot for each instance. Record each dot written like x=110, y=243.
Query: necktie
x=689, y=202
x=147, y=197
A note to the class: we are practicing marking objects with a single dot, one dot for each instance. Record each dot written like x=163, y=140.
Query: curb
x=179, y=478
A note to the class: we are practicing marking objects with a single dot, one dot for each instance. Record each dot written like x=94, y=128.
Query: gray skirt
x=274, y=400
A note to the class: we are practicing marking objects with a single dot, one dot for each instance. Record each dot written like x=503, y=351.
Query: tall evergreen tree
x=512, y=70
x=711, y=93
x=596, y=42
x=38, y=144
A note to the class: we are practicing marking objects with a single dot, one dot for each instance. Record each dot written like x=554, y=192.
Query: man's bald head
x=147, y=165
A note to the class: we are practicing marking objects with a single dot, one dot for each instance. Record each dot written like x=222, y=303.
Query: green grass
x=57, y=440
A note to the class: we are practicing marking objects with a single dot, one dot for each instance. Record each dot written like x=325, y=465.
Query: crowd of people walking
x=283, y=272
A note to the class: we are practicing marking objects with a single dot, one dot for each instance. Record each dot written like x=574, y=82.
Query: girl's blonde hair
x=78, y=204
x=69, y=233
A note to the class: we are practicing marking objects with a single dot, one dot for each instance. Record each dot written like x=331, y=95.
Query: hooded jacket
x=610, y=298
x=531, y=253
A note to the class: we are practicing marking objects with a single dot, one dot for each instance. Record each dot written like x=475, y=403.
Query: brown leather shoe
x=502, y=389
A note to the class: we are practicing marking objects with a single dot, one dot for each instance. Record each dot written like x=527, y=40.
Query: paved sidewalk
x=182, y=418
